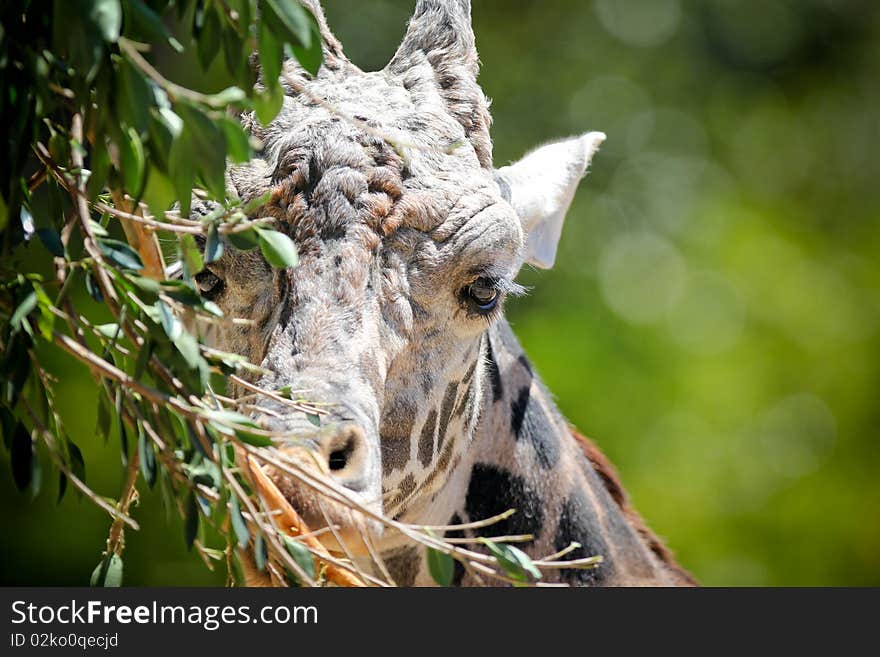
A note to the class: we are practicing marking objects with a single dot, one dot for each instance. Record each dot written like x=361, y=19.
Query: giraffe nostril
x=339, y=458
x=345, y=452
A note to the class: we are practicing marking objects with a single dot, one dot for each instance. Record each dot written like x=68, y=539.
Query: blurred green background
x=712, y=319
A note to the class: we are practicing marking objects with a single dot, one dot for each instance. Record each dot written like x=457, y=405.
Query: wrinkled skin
x=409, y=240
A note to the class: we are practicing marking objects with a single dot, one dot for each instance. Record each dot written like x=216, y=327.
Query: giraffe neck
x=527, y=456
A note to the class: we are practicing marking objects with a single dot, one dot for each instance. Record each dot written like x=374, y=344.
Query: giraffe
x=410, y=241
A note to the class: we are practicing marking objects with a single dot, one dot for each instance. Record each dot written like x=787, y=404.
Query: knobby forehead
x=366, y=154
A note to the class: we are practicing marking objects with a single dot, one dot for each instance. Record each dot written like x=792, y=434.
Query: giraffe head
x=409, y=242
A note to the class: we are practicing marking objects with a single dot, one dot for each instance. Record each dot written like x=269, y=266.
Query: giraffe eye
x=210, y=285
x=483, y=294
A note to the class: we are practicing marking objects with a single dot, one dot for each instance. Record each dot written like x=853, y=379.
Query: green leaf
x=93, y=288
x=62, y=486
x=237, y=144
x=261, y=553
x=190, y=254
x=108, y=573
x=208, y=42
x=239, y=525
x=310, y=57
x=147, y=457
x=441, y=566
x=314, y=418
x=278, y=249
x=268, y=103
x=191, y=520
x=51, y=240
x=22, y=457
x=111, y=331
x=141, y=20
x=228, y=96
x=300, y=554
x=77, y=464
x=213, y=245
x=104, y=416
x=256, y=203
x=22, y=311
x=208, y=146
x=271, y=53
x=120, y=254
x=182, y=169
x=515, y=563
x=135, y=96
x=99, y=161
x=244, y=240
x=132, y=160
x=107, y=15
x=289, y=20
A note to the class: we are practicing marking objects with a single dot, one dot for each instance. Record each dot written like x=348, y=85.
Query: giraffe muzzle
x=341, y=457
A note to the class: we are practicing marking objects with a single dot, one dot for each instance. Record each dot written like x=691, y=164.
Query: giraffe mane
x=611, y=480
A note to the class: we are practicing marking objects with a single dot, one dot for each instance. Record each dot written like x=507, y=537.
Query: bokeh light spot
x=639, y=22
x=641, y=275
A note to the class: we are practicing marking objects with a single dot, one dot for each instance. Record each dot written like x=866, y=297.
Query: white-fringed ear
x=541, y=186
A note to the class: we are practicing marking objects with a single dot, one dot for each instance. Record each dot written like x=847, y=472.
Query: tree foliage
x=105, y=156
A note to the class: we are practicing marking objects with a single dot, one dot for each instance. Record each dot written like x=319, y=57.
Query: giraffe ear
x=541, y=186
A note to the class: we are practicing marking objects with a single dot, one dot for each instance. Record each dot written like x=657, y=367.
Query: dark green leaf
x=62, y=486
x=237, y=144
x=22, y=311
x=213, y=245
x=261, y=552
x=93, y=288
x=441, y=566
x=244, y=240
x=271, y=53
x=300, y=554
x=22, y=457
x=8, y=424
x=191, y=520
x=77, y=464
x=132, y=160
x=208, y=146
x=99, y=161
x=104, y=415
x=278, y=249
x=314, y=419
x=120, y=254
x=108, y=573
x=208, y=43
x=36, y=476
x=147, y=457
x=51, y=240
x=143, y=21
x=120, y=429
x=290, y=20
x=268, y=103
x=310, y=57
x=239, y=525
x=190, y=254
x=182, y=169
x=135, y=96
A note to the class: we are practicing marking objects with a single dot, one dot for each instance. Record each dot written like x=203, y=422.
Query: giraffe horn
x=441, y=30
x=333, y=54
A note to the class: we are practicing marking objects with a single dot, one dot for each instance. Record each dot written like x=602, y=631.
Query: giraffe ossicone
x=409, y=241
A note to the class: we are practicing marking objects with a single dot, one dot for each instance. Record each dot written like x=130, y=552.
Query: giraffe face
x=409, y=242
